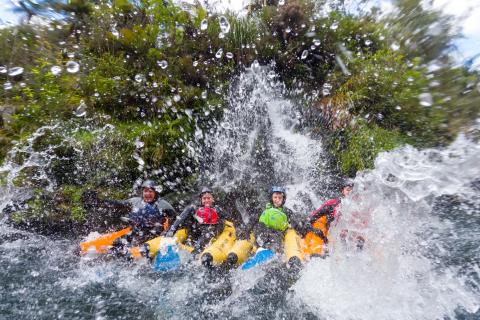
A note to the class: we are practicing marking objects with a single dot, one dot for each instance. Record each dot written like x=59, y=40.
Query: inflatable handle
x=262, y=256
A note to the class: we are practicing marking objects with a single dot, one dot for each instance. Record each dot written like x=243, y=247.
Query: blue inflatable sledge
x=260, y=257
x=167, y=260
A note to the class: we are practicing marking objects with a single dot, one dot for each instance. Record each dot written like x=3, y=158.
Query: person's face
x=346, y=190
x=148, y=195
x=277, y=199
x=207, y=199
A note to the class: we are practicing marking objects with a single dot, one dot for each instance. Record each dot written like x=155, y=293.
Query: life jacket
x=332, y=202
x=145, y=216
x=206, y=215
x=274, y=218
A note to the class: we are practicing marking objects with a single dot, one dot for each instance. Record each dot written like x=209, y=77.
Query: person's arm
x=295, y=222
x=91, y=201
x=323, y=211
x=181, y=219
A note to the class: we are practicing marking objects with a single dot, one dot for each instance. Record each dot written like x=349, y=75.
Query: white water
x=260, y=143
x=402, y=273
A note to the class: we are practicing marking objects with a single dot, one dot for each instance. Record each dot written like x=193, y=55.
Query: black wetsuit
x=200, y=230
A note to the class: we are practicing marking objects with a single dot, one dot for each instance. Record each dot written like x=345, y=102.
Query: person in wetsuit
x=148, y=214
x=203, y=222
x=269, y=226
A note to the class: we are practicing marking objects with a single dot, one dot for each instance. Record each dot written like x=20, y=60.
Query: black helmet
x=150, y=184
x=205, y=190
x=346, y=183
x=281, y=190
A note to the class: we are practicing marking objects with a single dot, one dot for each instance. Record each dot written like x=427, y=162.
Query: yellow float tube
x=240, y=252
x=293, y=247
x=150, y=248
x=215, y=252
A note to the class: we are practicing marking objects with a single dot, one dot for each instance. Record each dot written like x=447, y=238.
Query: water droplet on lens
x=139, y=78
x=326, y=89
x=55, y=70
x=395, y=46
x=81, y=110
x=304, y=54
x=115, y=32
x=204, y=24
x=15, y=71
x=426, y=99
x=72, y=67
x=139, y=144
x=224, y=24
x=162, y=64
x=226, y=125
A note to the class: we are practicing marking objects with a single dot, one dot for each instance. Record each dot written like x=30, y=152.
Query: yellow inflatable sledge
x=216, y=252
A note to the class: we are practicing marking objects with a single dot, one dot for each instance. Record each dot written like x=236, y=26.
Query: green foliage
x=365, y=142
x=142, y=114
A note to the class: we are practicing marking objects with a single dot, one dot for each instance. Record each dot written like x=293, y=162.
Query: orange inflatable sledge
x=313, y=244
x=102, y=243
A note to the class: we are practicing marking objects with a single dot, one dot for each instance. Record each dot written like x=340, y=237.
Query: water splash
x=260, y=142
x=406, y=270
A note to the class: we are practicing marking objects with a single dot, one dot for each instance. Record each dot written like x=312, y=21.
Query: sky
x=466, y=12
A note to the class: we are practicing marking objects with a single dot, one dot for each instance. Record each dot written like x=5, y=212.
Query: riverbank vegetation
x=131, y=88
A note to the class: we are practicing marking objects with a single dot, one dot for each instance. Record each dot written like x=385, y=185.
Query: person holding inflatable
x=273, y=228
x=320, y=220
x=148, y=215
x=204, y=223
